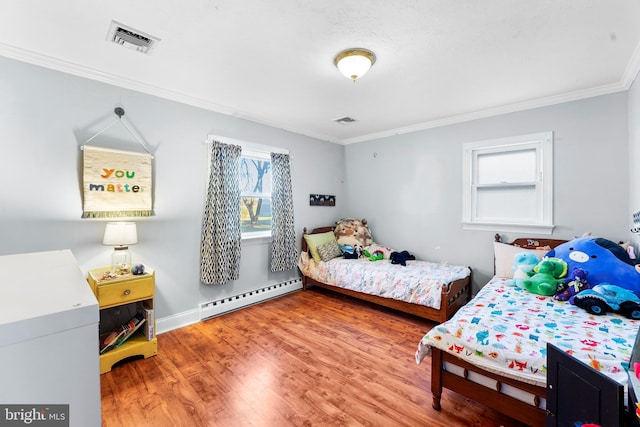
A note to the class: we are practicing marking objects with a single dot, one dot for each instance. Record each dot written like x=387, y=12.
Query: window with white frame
x=255, y=186
x=508, y=184
x=255, y=193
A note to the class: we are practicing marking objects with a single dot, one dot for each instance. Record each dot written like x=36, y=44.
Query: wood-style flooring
x=310, y=358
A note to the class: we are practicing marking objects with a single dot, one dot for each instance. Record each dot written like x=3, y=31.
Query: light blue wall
x=634, y=156
x=45, y=116
x=409, y=186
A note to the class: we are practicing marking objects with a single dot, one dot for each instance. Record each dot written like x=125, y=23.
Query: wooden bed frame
x=454, y=296
x=492, y=398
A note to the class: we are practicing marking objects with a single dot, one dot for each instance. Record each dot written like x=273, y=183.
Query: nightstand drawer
x=122, y=293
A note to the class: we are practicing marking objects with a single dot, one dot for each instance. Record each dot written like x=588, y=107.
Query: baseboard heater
x=227, y=304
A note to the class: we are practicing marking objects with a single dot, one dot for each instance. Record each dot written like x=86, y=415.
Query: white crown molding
x=119, y=81
x=633, y=68
x=522, y=106
x=46, y=61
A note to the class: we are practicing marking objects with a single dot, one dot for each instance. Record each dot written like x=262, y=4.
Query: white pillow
x=503, y=257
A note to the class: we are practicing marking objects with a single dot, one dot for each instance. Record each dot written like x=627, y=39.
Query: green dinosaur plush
x=373, y=256
x=548, y=274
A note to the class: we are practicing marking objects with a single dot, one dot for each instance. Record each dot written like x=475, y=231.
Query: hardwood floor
x=311, y=358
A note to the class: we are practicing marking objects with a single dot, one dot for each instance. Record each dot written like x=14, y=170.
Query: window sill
x=521, y=228
x=260, y=239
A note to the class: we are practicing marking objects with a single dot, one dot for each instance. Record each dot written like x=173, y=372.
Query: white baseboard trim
x=225, y=305
x=235, y=302
x=177, y=321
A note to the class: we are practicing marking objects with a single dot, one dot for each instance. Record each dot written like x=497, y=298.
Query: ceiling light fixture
x=355, y=62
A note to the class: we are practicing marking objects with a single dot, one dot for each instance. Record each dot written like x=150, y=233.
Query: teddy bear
x=548, y=274
x=354, y=232
x=575, y=283
x=523, y=265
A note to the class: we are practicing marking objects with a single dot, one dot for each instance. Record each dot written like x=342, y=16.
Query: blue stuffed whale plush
x=604, y=260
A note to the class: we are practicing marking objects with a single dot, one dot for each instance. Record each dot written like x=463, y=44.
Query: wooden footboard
x=492, y=394
x=454, y=296
x=487, y=388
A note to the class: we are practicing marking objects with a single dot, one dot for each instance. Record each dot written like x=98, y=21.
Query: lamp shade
x=354, y=63
x=120, y=234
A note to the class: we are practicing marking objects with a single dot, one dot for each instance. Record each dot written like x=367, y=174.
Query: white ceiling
x=438, y=61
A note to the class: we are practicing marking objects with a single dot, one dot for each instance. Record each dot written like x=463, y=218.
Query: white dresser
x=49, y=335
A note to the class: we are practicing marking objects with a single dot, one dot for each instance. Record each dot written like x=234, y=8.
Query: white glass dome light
x=354, y=63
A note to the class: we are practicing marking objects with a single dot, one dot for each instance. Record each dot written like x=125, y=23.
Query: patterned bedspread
x=419, y=282
x=505, y=330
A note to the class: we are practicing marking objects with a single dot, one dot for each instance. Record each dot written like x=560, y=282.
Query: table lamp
x=120, y=235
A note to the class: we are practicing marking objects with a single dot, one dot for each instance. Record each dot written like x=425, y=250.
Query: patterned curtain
x=283, y=235
x=220, y=241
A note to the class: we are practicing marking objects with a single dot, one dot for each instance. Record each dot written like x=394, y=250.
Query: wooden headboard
x=530, y=243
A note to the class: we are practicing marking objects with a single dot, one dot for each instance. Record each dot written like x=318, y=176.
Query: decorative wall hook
x=119, y=111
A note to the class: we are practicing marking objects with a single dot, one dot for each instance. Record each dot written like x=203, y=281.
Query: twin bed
x=492, y=348
x=430, y=290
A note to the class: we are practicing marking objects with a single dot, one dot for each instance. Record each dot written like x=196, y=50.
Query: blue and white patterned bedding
x=505, y=330
x=419, y=282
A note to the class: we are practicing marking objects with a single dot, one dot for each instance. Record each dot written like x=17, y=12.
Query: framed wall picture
x=322, y=200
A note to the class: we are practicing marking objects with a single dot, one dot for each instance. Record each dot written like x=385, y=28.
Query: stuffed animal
x=523, y=265
x=548, y=274
x=354, y=232
x=605, y=297
x=575, y=283
x=604, y=260
x=629, y=248
x=385, y=250
x=374, y=256
x=401, y=257
x=351, y=252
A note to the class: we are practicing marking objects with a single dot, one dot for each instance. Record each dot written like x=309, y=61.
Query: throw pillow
x=503, y=257
x=329, y=251
x=315, y=240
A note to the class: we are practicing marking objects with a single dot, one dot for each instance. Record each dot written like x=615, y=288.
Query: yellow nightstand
x=119, y=291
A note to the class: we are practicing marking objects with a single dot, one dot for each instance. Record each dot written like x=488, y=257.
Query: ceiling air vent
x=345, y=120
x=131, y=38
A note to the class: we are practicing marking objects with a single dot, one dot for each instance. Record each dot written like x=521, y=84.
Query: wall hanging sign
x=116, y=183
x=322, y=200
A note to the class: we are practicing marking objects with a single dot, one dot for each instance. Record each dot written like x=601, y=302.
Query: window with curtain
x=220, y=237
x=266, y=199
x=256, y=185
x=284, y=254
